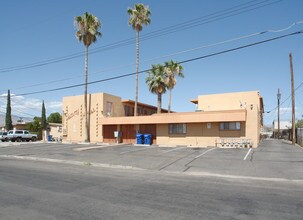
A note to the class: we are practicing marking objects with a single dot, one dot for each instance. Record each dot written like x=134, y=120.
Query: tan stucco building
x=230, y=119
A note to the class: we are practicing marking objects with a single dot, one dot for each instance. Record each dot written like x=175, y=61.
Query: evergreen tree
x=8, y=117
x=43, y=117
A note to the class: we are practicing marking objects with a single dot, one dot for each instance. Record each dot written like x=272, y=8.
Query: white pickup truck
x=20, y=135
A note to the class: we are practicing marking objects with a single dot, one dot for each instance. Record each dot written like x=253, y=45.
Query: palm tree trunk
x=169, y=100
x=159, y=103
x=86, y=139
x=137, y=70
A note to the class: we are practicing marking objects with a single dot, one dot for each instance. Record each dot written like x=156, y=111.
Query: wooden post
x=293, y=101
x=279, y=97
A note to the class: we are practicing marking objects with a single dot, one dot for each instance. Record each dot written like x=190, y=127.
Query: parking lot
x=272, y=160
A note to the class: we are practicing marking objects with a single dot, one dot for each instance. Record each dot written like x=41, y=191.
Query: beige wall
x=73, y=115
x=55, y=130
x=198, y=134
x=243, y=107
x=239, y=100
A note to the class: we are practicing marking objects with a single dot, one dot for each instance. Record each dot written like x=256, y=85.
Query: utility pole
x=293, y=101
x=279, y=97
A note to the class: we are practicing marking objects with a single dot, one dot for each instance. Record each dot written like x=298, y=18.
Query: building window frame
x=109, y=108
x=177, y=128
x=128, y=110
x=230, y=126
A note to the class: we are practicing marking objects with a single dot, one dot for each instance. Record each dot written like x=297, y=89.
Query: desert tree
x=87, y=32
x=172, y=70
x=139, y=16
x=156, y=83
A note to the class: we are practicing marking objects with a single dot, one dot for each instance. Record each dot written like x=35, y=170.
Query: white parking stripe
x=130, y=151
x=247, y=154
x=205, y=152
x=167, y=151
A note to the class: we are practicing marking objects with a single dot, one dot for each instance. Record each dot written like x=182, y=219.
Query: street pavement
x=64, y=181
x=273, y=159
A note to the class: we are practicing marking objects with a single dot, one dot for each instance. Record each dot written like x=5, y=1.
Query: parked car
x=20, y=135
x=3, y=136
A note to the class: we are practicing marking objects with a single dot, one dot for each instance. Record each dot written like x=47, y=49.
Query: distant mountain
x=15, y=118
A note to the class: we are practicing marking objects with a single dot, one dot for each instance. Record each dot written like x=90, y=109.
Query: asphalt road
x=189, y=186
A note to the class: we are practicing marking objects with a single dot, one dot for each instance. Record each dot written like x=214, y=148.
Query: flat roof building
x=230, y=119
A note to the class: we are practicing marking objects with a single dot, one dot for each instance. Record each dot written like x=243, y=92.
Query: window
x=177, y=128
x=128, y=111
x=109, y=108
x=140, y=111
x=230, y=126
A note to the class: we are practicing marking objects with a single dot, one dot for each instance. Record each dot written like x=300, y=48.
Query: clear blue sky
x=37, y=31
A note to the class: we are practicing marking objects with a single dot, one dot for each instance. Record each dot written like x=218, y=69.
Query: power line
x=17, y=109
x=301, y=84
x=168, y=55
x=213, y=18
x=182, y=62
x=219, y=15
x=164, y=56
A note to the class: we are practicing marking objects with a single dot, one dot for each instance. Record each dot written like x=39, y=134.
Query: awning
x=188, y=117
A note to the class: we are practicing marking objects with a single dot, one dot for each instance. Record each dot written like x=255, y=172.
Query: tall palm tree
x=156, y=82
x=88, y=27
x=172, y=69
x=139, y=15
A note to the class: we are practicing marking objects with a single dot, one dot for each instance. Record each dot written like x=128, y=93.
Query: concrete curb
x=289, y=142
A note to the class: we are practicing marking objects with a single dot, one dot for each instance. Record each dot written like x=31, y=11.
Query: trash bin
x=49, y=138
x=148, y=139
x=139, y=138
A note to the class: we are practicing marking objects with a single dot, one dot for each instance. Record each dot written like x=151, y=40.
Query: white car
x=20, y=135
x=3, y=136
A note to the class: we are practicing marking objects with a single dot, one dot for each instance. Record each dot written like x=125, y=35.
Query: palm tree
x=87, y=32
x=138, y=16
x=172, y=69
x=156, y=82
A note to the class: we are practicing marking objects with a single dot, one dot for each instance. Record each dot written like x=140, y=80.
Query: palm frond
x=139, y=16
x=156, y=79
x=88, y=27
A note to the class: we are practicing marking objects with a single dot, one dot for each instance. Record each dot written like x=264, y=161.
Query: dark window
x=230, y=126
x=140, y=111
x=177, y=128
x=128, y=111
x=109, y=108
